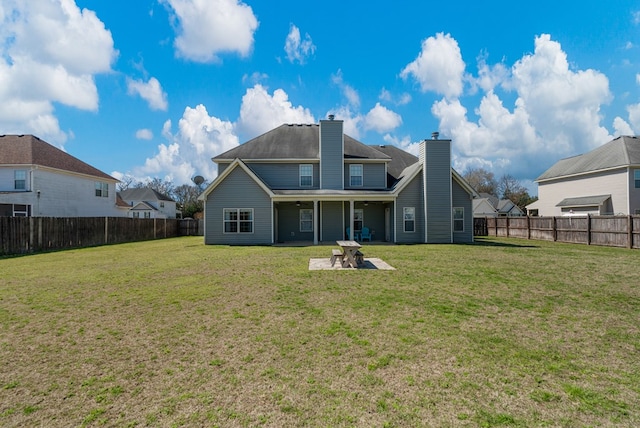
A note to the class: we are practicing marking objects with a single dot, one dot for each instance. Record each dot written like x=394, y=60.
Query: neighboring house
x=39, y=180
x=145, y=202
x=604, y=181
x=490, y=206
x=312, y=183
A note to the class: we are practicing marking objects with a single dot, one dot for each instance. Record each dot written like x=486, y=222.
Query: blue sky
x=156, y=88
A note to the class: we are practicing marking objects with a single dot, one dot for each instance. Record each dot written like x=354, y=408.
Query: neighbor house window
x=20, y=210
x=136, y=214
x=20, y=179
x=238, y=220
x=161, y=204
x=409, y=216
x=355, y=175
x=358, y=219
x=306, y=175
x=458, y=219
x=636, y=177
x=147, y=214
x=102, y=189
x=306, y=220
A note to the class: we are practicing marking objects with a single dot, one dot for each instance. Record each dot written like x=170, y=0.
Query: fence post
x=555, y=230
x=588, y=229
x=106, y=229
x=528, y=227
x=629, y=232
x=154, y=228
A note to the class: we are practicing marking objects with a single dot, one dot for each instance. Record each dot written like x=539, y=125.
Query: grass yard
x=176, y=333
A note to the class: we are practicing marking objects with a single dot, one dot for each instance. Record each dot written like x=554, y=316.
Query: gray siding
x=374, y=176
x=289, y=222
x=238, y=190
x=284, y=175
x=331, y=154
x=462, y=199
x=332, y=225
x=411, y=196
x=438, y=191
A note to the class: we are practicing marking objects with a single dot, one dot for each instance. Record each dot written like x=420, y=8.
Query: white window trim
x=300, y=175
x=404, y=219
x=103, y=188
x=351, y=175
x=453, y=214
x=356, y=219
x=238, y=221
x=310, y=221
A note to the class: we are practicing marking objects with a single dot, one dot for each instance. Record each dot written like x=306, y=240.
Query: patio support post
x=315, y=222
x=351, y=215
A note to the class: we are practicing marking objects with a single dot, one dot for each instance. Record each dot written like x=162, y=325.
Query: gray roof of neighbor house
x=400, y=160
x=31, y=150
x=289, y=141
x=583, y=201
x=619, y=152
x=143, y=194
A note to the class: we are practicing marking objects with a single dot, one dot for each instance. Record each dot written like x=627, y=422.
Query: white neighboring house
x=40, y=180
x=148, y=203
x=604, y=181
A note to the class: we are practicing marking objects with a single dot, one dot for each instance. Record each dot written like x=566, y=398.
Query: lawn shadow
x=479, y=241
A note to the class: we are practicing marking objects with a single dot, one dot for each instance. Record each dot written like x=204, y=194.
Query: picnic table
x=351, y=255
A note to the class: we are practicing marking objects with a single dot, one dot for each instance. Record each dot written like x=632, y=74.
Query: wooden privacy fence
x=21, y=235
x=612, y=231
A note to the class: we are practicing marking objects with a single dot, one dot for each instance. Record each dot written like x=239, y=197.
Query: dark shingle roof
x=399, y=160
x=295, y=142
x=30, y=150
x=620, y=152
x=143, y=194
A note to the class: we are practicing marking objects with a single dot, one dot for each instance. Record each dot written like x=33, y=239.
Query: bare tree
x=481, y=180
x=510, y=188
x=161, y=186
x=126, y=182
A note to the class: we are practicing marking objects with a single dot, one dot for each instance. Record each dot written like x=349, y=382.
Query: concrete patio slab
x=369, y=263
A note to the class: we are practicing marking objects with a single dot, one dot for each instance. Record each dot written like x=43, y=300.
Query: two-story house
x=313, y=183
x=145, y=202
x=40, y=180
x=604, y=181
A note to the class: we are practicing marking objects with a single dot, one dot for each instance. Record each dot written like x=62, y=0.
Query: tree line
x=185, y=195
x=506, y=187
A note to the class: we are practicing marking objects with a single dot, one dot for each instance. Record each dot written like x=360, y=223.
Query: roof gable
x=220, y=178
x=619, y=152
x=30, y=150
x=143, y=194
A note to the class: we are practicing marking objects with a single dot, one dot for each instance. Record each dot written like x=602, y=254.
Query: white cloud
x=261, y=112
x=402, y=99
x=49, y=52
x=351, y=94
x=207, y=28
x=621, y=127
x=556, y=113
x=638, y=78
x=352, y=121
x=150, y=91
x=634, y=116
x=635, y=17
x=381, y=119
x=189, y=151
x=296, y=48
x=439, y=66
x=144, y=134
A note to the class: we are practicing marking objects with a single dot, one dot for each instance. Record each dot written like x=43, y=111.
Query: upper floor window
x=355, y=175
x=161, y=204
x=306, y=175
x=102, y=189
x=238, y=220
x=636, y=178
x=458, y=219
x=409, y=217
x=306, y=220
x=20, y=179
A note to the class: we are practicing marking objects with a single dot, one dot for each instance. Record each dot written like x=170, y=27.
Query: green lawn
x=176, y=333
